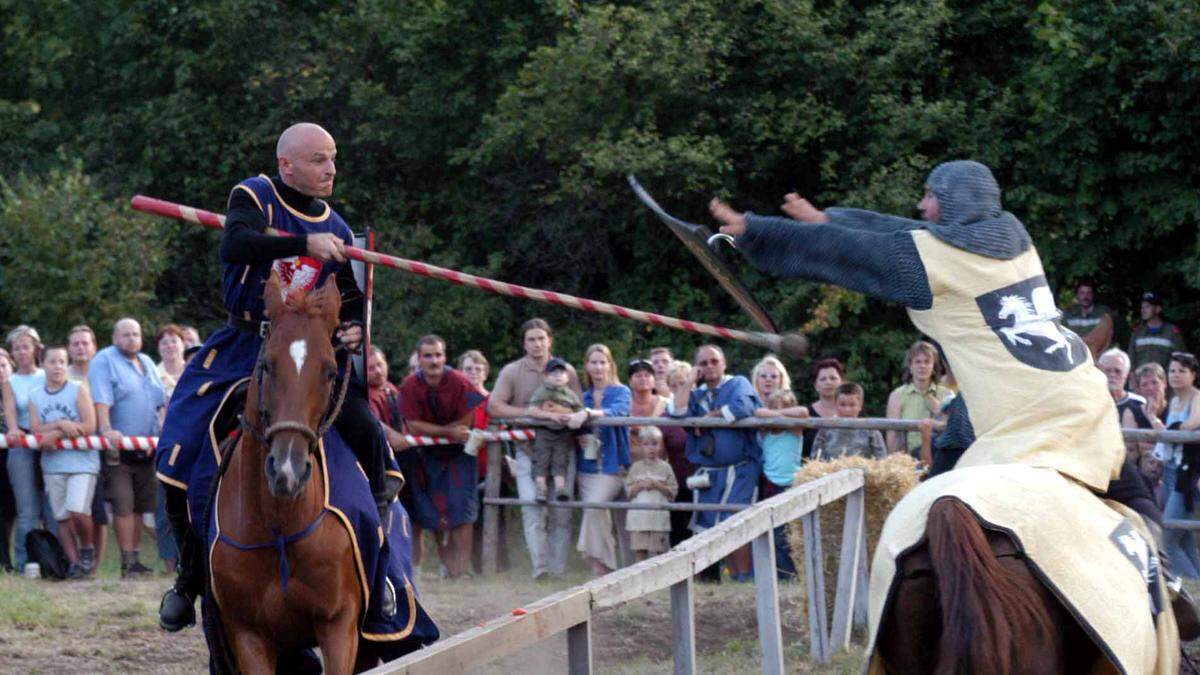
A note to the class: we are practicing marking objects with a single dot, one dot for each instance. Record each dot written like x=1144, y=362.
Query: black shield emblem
x=1142, y=556
x=1025, y=318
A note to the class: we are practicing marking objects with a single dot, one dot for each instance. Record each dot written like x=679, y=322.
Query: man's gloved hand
x=350, y=335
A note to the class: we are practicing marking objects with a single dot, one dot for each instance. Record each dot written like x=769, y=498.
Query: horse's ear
x=328, y=301
x=274, y=294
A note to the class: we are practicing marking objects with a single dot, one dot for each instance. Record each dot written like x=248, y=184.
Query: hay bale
x=885, y=482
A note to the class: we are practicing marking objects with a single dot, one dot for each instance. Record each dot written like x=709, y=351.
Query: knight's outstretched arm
x=881, y=264
x=870, y=221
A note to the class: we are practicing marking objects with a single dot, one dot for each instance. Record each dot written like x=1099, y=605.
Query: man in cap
x=1154, y=339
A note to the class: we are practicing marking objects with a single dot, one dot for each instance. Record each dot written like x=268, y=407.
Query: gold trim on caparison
x=212, y=355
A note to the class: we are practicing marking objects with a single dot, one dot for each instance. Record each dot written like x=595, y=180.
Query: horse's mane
x=311, y=304
x=982, y=602
x=323, y=302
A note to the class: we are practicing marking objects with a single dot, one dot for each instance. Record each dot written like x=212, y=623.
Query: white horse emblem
x=1036, y=318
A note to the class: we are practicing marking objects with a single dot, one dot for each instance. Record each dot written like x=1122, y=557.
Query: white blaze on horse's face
x=298, y=350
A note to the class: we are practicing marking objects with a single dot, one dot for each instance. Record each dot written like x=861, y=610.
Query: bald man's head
x=306, y=155
x=127, y=336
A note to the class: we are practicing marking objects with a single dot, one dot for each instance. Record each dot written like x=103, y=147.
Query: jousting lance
x=790, y=344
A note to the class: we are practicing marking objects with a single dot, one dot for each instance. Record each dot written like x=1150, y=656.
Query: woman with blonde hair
x=919, y=398
x=25, y=346
x=599, y=475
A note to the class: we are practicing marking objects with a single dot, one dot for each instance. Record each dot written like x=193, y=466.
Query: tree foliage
x=494, y=137
x=70, y=256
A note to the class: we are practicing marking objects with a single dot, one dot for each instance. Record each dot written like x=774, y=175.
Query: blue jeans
x=167, y=550
x=1180, y=544
x=32, y=504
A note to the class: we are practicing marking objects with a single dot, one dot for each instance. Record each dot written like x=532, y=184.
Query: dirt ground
x=107, y=625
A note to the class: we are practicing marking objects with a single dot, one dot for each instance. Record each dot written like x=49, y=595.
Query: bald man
x=129, y=397
x=290, y=202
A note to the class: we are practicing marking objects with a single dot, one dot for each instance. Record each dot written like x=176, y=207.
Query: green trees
x=495, y=137
x=69, y=256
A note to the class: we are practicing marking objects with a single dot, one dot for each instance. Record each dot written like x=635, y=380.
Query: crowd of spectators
x=69, y=390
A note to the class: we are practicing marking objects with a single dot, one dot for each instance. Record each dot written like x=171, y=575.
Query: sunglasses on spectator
x=709, y=362
x=640, y=364
x=1187, y=359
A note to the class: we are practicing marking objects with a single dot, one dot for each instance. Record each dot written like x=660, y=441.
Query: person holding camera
x=130, y=400
x=729, y=460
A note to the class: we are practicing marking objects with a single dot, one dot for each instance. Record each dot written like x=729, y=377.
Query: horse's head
x=295, y=381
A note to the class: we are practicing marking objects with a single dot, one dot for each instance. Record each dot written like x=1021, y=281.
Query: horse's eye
x=331, y=373
x=266, y=368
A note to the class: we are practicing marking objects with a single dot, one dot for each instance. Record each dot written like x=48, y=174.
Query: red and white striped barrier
x=512, y=435
x=84, y=443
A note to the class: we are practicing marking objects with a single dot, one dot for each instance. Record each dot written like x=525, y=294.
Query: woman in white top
x=25, y=345
x=1182, y=464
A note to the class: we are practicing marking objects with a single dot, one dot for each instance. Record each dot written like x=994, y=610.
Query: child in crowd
x=782, y=449
x=833, y=443
x=678, y=375
x=63, y=409
x=650, y=481
x=552, y=448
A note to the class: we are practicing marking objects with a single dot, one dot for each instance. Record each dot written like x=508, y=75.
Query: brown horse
x=966, y=602
x=272, y=502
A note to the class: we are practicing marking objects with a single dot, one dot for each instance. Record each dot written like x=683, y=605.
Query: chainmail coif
x=971, y=215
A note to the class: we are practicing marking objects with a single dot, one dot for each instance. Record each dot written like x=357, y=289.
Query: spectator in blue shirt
x=130, y=400
x=729, y=460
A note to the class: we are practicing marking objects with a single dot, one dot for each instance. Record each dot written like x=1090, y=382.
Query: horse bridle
x=264, y=415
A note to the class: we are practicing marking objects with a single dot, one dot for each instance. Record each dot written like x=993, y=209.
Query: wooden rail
x=572, y=610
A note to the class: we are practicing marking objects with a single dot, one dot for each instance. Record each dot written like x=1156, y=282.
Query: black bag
x=44, y=549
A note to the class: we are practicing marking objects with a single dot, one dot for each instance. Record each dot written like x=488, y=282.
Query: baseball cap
x=1152, y=298
x=556, y=363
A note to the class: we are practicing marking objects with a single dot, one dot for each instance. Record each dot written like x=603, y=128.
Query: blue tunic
x=187, y=455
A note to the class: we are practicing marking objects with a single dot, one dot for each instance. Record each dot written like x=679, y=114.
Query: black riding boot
x=178, y=610
x=361, y=431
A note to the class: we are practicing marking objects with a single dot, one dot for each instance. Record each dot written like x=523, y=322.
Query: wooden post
x=814, y=571
x=862, y=601
x=766, y=587
x=683, y=627
x=490, y=555
x=848, y=590
x=579, y=649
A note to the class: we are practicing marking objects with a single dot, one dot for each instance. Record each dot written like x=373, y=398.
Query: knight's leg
x=361, y=431
x=178, y=604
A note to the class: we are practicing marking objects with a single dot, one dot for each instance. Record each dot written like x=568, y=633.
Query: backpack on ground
x=44, y=549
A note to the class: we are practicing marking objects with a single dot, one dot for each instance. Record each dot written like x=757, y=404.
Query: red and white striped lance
x=85, y=442
x=490, y=436
x=788, y=343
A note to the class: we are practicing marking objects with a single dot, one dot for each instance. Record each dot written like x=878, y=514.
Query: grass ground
x=108, y=625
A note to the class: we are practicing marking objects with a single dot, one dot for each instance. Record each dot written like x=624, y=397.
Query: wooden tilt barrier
x=571, y=610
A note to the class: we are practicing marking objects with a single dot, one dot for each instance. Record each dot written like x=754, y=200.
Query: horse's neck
x=255, y=511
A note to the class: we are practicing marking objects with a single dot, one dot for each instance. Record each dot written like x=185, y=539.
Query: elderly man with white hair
x=1115, y=365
